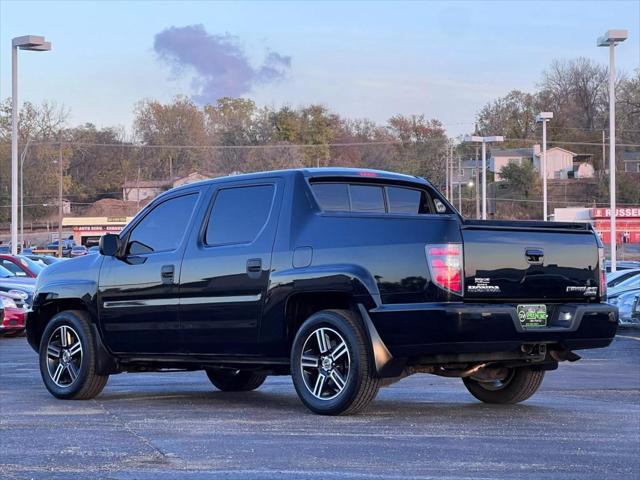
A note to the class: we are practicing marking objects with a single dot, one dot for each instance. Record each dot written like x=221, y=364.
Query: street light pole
x=22, y=159
x=544, y=117
x=477, y=182
x=34, y=43
x=484, y=180
x=610, y=39
x=484, y=141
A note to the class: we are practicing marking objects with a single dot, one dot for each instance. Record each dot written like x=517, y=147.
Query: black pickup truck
x=347, y=280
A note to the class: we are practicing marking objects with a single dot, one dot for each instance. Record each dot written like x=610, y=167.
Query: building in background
x=88, y=230
x=631, y=162
x=627, y=221
x=135, y=191
x=561, y=163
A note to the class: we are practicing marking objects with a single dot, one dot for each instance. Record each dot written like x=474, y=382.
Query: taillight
x=603, y=273
x=445, y=266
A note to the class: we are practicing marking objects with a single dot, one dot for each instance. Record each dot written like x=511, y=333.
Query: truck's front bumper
x=410, y=330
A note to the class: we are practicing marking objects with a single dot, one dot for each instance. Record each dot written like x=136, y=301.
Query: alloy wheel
x=64, y=356
x=325, y=363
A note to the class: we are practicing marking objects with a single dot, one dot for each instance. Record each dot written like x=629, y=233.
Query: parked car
x=623, y=265
x=20, y=266
x=631, y=283
x=42, y=260
x=67, y=245
x=93, y=250
x=344, y=279
x=20, y=288
x=627, y=303
x=5, y=249
x=78, y=251
x=12, y=317
x=619, y=276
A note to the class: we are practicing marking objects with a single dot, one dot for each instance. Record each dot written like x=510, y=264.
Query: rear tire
x=235, y=380
x=331, y=364
x=520, y=384
x=68, y=357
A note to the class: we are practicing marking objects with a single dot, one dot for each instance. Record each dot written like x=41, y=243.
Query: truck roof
x=323, y=172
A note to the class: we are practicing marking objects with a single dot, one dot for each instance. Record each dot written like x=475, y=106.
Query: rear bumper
x=410, y=330
x=13, y=320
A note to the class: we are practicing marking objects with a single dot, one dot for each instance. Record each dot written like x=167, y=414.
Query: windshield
x=30, y=264
x=4, y=273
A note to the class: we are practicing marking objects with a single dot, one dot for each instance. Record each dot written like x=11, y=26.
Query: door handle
x=166, y=274
x=534, y=255
x=254, y=267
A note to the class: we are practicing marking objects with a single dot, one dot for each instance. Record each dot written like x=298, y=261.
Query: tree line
x=235, y=135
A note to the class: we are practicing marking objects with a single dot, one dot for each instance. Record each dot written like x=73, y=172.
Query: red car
x=12, y=318
x=20, y=266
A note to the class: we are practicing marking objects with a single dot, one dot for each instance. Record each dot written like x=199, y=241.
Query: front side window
x=163, y=228
x=239, y=214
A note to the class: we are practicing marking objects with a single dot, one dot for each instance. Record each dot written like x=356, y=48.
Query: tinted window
x=163, y=228
x=13, y=268
x=333, y=197
x=367, y=198
x=4, y=273
x=238, y=214
x=403, y=200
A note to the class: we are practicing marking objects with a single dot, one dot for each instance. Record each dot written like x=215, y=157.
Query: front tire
x=235, y=380
x=68, y=357
x=518, y=385
x=331, y=364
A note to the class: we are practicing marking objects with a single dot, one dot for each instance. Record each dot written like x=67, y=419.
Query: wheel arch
x=302, y=305
x=74, y=297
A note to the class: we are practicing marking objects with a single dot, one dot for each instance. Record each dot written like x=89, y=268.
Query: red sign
x=626, y=212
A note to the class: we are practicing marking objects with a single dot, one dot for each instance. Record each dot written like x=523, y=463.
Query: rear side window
x=333, y=197
x=367, y=198
x=403, y=200
x=162, y=229
x=239, y=214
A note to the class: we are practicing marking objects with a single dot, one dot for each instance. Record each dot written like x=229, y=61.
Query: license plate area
x=533, y=316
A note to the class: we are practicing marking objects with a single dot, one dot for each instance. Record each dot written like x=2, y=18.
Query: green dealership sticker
x=533, y=315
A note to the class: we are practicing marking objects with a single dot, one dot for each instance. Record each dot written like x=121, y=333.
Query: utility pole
x=604, y=154
x=138, y=191
x=446, y=174
x=60, y=209
x=459, y=184
x=477, y=185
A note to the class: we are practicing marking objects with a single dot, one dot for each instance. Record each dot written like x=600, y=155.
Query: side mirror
x=110, y=244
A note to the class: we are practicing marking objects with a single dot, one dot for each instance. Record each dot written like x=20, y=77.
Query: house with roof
x=631, y=161
x=501, y=157
x=139, y=190
x=561, y=163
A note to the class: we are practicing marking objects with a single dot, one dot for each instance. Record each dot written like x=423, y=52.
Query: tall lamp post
x=484, y=141
x=544, y=117
x=610, y=39
x=29, y=42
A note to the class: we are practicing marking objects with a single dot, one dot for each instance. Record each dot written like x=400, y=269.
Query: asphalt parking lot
x=583, y=423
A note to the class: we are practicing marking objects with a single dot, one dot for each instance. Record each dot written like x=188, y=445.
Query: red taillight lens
x=603, y=272
x=445, y=265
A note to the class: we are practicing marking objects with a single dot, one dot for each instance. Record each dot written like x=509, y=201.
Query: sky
x=360, y=59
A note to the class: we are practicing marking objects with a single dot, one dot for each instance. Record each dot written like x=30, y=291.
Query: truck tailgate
x=530, y=261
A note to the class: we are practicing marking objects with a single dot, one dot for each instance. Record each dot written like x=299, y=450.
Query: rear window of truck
x=367, y=198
